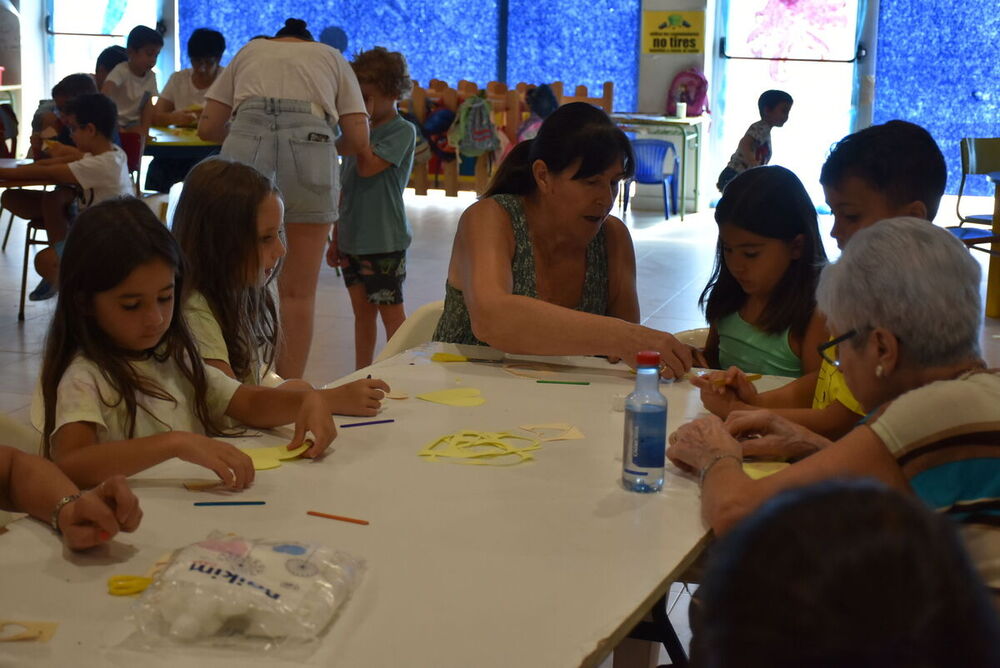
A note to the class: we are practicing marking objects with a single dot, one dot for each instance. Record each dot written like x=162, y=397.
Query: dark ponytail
x=295, y=28
x=575, y=132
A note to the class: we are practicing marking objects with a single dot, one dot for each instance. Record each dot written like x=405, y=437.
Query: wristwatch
x=59, y=506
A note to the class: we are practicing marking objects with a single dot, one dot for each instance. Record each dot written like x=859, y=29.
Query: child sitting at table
x=132, y=84
x=182, y=101
x=372, y=235
x=884, y=171
x=123, y=385
x=35, y=486
x=755, y=147
x=760, y=301
x=96, y=172
x=49, y=132
x=107, y=61
x=229, y=225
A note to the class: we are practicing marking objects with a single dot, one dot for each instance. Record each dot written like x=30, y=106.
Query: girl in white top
x=228, y=223
x=123, y=386
x=288, y=93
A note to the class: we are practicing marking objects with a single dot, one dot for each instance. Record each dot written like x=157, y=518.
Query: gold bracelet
x=715, y=460
x=66, y=500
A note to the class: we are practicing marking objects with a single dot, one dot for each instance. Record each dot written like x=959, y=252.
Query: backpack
x=688, y=86
x=473, y=132
x=421, y=149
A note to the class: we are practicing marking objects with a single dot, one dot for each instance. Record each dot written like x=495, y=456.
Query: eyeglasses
x=823, y=348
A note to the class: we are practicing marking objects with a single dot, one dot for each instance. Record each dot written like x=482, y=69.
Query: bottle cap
x=648, y=358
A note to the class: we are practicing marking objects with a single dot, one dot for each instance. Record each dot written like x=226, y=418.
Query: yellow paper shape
x=271, y=458
x=564, y=431
x=32, y=631
x=459, y=396
x=397, y=395
x=758, y=470
x=448, y=357
x=480, y=448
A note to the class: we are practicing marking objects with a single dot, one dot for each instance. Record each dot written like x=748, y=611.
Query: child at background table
x=884, y=171
x=36, y=486
x=107, y=61
x=95, y=171
x=47, y=125
x=229, y=225
x=760, y=301
x=181, y=102
x=123, y=386
x=755, y=147
x=132, y=84
x=372, y=235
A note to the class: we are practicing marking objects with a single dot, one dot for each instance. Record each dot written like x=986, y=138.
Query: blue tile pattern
x=577, y=42
x=937, y=66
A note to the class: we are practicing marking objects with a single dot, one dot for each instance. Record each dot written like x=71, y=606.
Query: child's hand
x=183, y=118
x=725, y=391
x=99, y=514
x=314, y=416
x=362, y=397
x=334, y=257
x=233, y=466
x=62, y=151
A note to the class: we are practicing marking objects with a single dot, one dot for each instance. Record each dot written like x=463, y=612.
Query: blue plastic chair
x=650, y=157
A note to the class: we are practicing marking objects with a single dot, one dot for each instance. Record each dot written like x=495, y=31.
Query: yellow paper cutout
x=565, y=431
x=271, y=458
x=459, y=396
x=33, y=631
x=397, y=395
x=758, y=470
x=480, y=448
x=448, y=357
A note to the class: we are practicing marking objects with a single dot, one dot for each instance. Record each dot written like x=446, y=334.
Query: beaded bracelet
x=59, y=506
x=715, y=460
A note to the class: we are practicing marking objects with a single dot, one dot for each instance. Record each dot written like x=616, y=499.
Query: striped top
x=946, y=438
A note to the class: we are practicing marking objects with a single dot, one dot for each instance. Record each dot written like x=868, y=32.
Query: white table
x=546, y=563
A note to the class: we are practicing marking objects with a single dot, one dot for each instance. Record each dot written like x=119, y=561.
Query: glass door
x=811, y=50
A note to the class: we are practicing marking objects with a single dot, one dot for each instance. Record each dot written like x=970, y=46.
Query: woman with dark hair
x=538, y=266
x=842, y=574
x=286, y=96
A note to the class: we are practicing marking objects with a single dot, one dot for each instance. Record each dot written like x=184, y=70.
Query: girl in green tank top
x=760, y=301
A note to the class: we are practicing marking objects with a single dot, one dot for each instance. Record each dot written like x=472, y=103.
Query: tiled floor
x=674, y=260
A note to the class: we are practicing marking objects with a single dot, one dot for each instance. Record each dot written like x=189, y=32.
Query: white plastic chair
x=693, y=337
x=418, y=328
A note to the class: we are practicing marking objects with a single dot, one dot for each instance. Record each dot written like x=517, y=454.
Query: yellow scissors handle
x=126, y=585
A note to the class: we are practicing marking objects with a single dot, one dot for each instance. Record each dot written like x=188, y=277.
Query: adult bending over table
x=288, y=93
x=538, y=266
x=904, y=307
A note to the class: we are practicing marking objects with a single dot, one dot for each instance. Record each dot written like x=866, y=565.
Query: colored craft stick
x=229, y=503
x=363, y=424
x=341, y=518
x=564, y=382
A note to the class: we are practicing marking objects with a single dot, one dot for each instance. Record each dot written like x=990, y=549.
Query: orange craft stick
x=337, y=517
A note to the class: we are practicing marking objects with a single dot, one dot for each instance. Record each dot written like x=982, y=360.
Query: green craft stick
x=564, y=382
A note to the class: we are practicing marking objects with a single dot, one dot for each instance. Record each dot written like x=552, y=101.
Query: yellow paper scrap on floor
x=758, y=470
x=271, y=458
x=554, y=431
x=459, y=396
x=481, y=448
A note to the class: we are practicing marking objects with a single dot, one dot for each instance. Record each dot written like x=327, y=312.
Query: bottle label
x=646, y=438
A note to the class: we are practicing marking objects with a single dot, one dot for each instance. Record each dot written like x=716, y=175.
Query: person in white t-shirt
x=288, y=93
x=99, y=173
x=132, y=84
x=182, y=101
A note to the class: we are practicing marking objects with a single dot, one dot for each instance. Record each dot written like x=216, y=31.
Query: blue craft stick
x=229, y=503
x=362, y=424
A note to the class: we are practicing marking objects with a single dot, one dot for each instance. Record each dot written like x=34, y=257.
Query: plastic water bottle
x=645, y=428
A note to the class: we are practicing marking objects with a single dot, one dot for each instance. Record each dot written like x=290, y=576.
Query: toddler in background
x=372, y=235
x=755, y=147
x=123, y=385
x=760, y=301
x=132, y=84
x=229, y=225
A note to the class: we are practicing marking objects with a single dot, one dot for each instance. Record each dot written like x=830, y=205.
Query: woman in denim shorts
x=290, y=94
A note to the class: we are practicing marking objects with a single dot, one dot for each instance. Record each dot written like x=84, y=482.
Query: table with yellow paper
x=496, y=515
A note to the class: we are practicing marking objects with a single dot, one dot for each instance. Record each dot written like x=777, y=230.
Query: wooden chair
x=31, y=238
x=979, y=156
x=605, y=102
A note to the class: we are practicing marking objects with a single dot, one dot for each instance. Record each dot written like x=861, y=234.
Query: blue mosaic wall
x=563, y=40
x=577, y=42
x=937, y=65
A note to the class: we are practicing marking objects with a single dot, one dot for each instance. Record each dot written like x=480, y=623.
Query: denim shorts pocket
x=314, y=163
x=242, y=146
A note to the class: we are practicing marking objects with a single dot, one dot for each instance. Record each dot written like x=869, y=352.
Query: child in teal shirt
x=372, y=235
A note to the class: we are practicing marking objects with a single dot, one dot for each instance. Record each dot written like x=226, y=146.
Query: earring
x=879, y=371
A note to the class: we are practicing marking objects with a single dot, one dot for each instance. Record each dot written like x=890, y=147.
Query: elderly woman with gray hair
x=904, y=309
